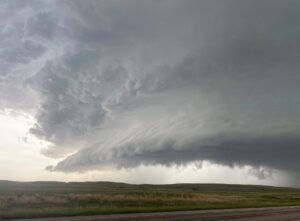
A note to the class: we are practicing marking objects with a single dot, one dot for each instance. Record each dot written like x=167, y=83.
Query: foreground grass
x=50, y=199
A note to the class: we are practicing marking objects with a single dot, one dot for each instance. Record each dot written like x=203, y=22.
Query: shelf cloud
x=118, y=84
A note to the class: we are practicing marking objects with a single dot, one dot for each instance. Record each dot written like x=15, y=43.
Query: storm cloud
x=127, y=83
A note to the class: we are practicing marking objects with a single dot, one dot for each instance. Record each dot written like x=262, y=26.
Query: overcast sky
x=156, y=91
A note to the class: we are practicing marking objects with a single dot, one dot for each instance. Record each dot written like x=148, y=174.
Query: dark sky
x=123, y=83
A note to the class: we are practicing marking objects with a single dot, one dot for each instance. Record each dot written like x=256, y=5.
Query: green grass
x=50, y=199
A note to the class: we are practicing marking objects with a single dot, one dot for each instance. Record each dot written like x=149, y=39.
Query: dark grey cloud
x=126, y=83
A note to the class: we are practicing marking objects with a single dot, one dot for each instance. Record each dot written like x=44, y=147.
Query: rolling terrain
x=56, y=199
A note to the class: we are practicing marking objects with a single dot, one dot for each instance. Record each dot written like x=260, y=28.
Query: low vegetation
x=50, y=199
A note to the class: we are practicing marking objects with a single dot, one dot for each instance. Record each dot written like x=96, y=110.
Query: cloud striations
x=124, y=83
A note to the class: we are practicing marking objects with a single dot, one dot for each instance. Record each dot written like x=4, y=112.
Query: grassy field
x=50, y=199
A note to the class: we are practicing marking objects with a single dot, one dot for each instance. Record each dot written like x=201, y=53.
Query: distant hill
x=46, y=186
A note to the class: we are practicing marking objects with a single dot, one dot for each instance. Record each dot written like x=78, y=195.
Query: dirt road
x=262, y=214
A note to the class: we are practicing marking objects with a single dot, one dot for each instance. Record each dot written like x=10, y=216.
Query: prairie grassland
x=49, y=199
